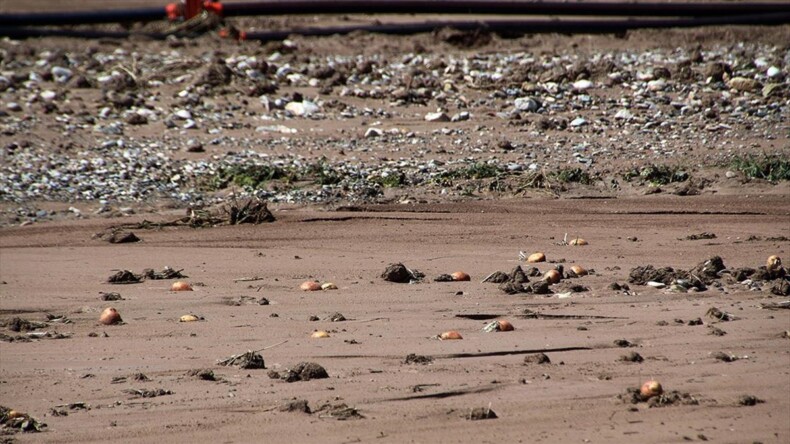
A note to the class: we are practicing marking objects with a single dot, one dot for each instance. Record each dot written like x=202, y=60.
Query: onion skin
x=650, y=389
x=505, y=325
x=329, y=286
x=310, y=286
x=450, y=335
x=578, y=242
x=110, y=316
x=188, y=318
x=773, y=263
x=460, y=276
x=552, y=276
x=319, y=334
x=578, y=270
x=13, y=414
x=180, y=286
x=536, y=257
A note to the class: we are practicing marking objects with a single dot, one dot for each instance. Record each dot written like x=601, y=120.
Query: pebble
x=582, y=85
x=579, y=121
x=527, y=104
x=13, y=106
x=183, y=114
x=437, y=117
x=773, y=72
x=373, y=132
x=304, y=108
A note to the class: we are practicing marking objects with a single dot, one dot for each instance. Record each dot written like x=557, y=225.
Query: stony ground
x=446, y=151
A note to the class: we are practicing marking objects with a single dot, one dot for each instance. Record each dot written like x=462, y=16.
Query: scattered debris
x=17, y=421
x=124, y=277
x=166, y=273
x=146, y=393
x=719, y=315
x=701, y=236
x=624, y=343
x=716, y=331
x=247, y=360
x=18, y=325
x=341, y=412
x=335, y=317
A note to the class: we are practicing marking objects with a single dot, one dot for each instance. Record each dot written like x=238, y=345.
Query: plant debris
x=247, y=360
x=412, y=358
x=166, y=273
x=296, y=405
x=719, y=315
x=701, y=236
x=146, y=393
x=18, y=325
x=335, y=317
x=479, y=413
x=749, y=400
x=633, y=396
x=341, y=412
x=203, y=373
x=399, y=273
x=124, y=277
x=624, y=343
x=15, y=421
x=721, y=356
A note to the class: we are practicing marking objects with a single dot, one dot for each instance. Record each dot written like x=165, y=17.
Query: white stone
x=581, y=85
x=437, y=117
x=526, y=104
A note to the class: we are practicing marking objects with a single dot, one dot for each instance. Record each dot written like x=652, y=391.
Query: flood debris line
x=531, y=314
x=15, y=421
x=129, y=277
x=148, y=393
x=399, y=273
x=247, y=211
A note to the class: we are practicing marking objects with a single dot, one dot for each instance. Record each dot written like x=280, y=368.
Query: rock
x=182, y=114
x=480, y=413
x=657, y=85
x=216, y=74
x=296, y=405
x=540, y=287
x=194, y=146
x=136, y=119
x=13, y=107
x=123, y=237
x=400, y=274
x=578, y=122
x=623, y=114
x=60, y=74
x=715, y=71
x=302, y=109
x=460, y=117
x=373, y=132
x=773, y=72
x=632, y=357
x=437, y=117
x=743, y=84
x=526, y=104
x=582, y=85
x=305, y=371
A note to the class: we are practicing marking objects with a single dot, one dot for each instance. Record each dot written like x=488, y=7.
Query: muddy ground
x=83, y=380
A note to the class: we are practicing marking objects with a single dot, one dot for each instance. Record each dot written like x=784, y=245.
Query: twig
x=251, y=279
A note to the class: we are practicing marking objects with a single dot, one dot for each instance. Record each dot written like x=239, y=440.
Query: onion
x=310, y=286
x=578, y=271
x=319, y=334
x=552, y=276
x=577, y=242
x=188, y=318
x=448, y=335
x=650, y=388
x=180, y=286
x=329, y=286
x=536, y=257
x=13, y=414
x=505, y=325
x=773, y=263
x=460, y=276
x=110, y=316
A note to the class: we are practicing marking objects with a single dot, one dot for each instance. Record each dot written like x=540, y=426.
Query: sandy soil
x=78, y=378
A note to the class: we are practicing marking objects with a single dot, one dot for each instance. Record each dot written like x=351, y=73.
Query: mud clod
x=749, y=400
x=538, y=358
x=203, y=373
x=124, y=277
x=412, y=358
x=632, y=357
x=304, y=371
x=296, y=405
x=341, y=412
x=479, y=413
x=111, y=296
x=123, y=237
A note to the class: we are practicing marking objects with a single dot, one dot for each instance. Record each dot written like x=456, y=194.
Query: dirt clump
x=412, y=358
x=537, y=358
x=247, y=360
x=480, y=413
x=296, y=405
x=304, y=371
x=399, y=273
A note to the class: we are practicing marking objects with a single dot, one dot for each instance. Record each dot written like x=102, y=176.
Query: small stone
x=13, y=106
x=743, y=84
x=579, y=121
x=460, y=117
x=194, y=146
x=538, y=358
x=623, y=114
x=581, y=85
x=657, y=85
x=373, y=132
x=302, y=109
x=183, y=114
x=48, y=95
x=773, y=72
x=437, y=117
x=527, y=104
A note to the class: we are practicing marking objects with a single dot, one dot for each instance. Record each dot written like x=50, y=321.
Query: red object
x=174, y=11
x=192, y=8
x=213, y=6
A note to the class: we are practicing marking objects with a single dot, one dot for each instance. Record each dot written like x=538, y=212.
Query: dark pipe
x=504, y=7
x=606, y=26
x=82, y=17
x=479, y=7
